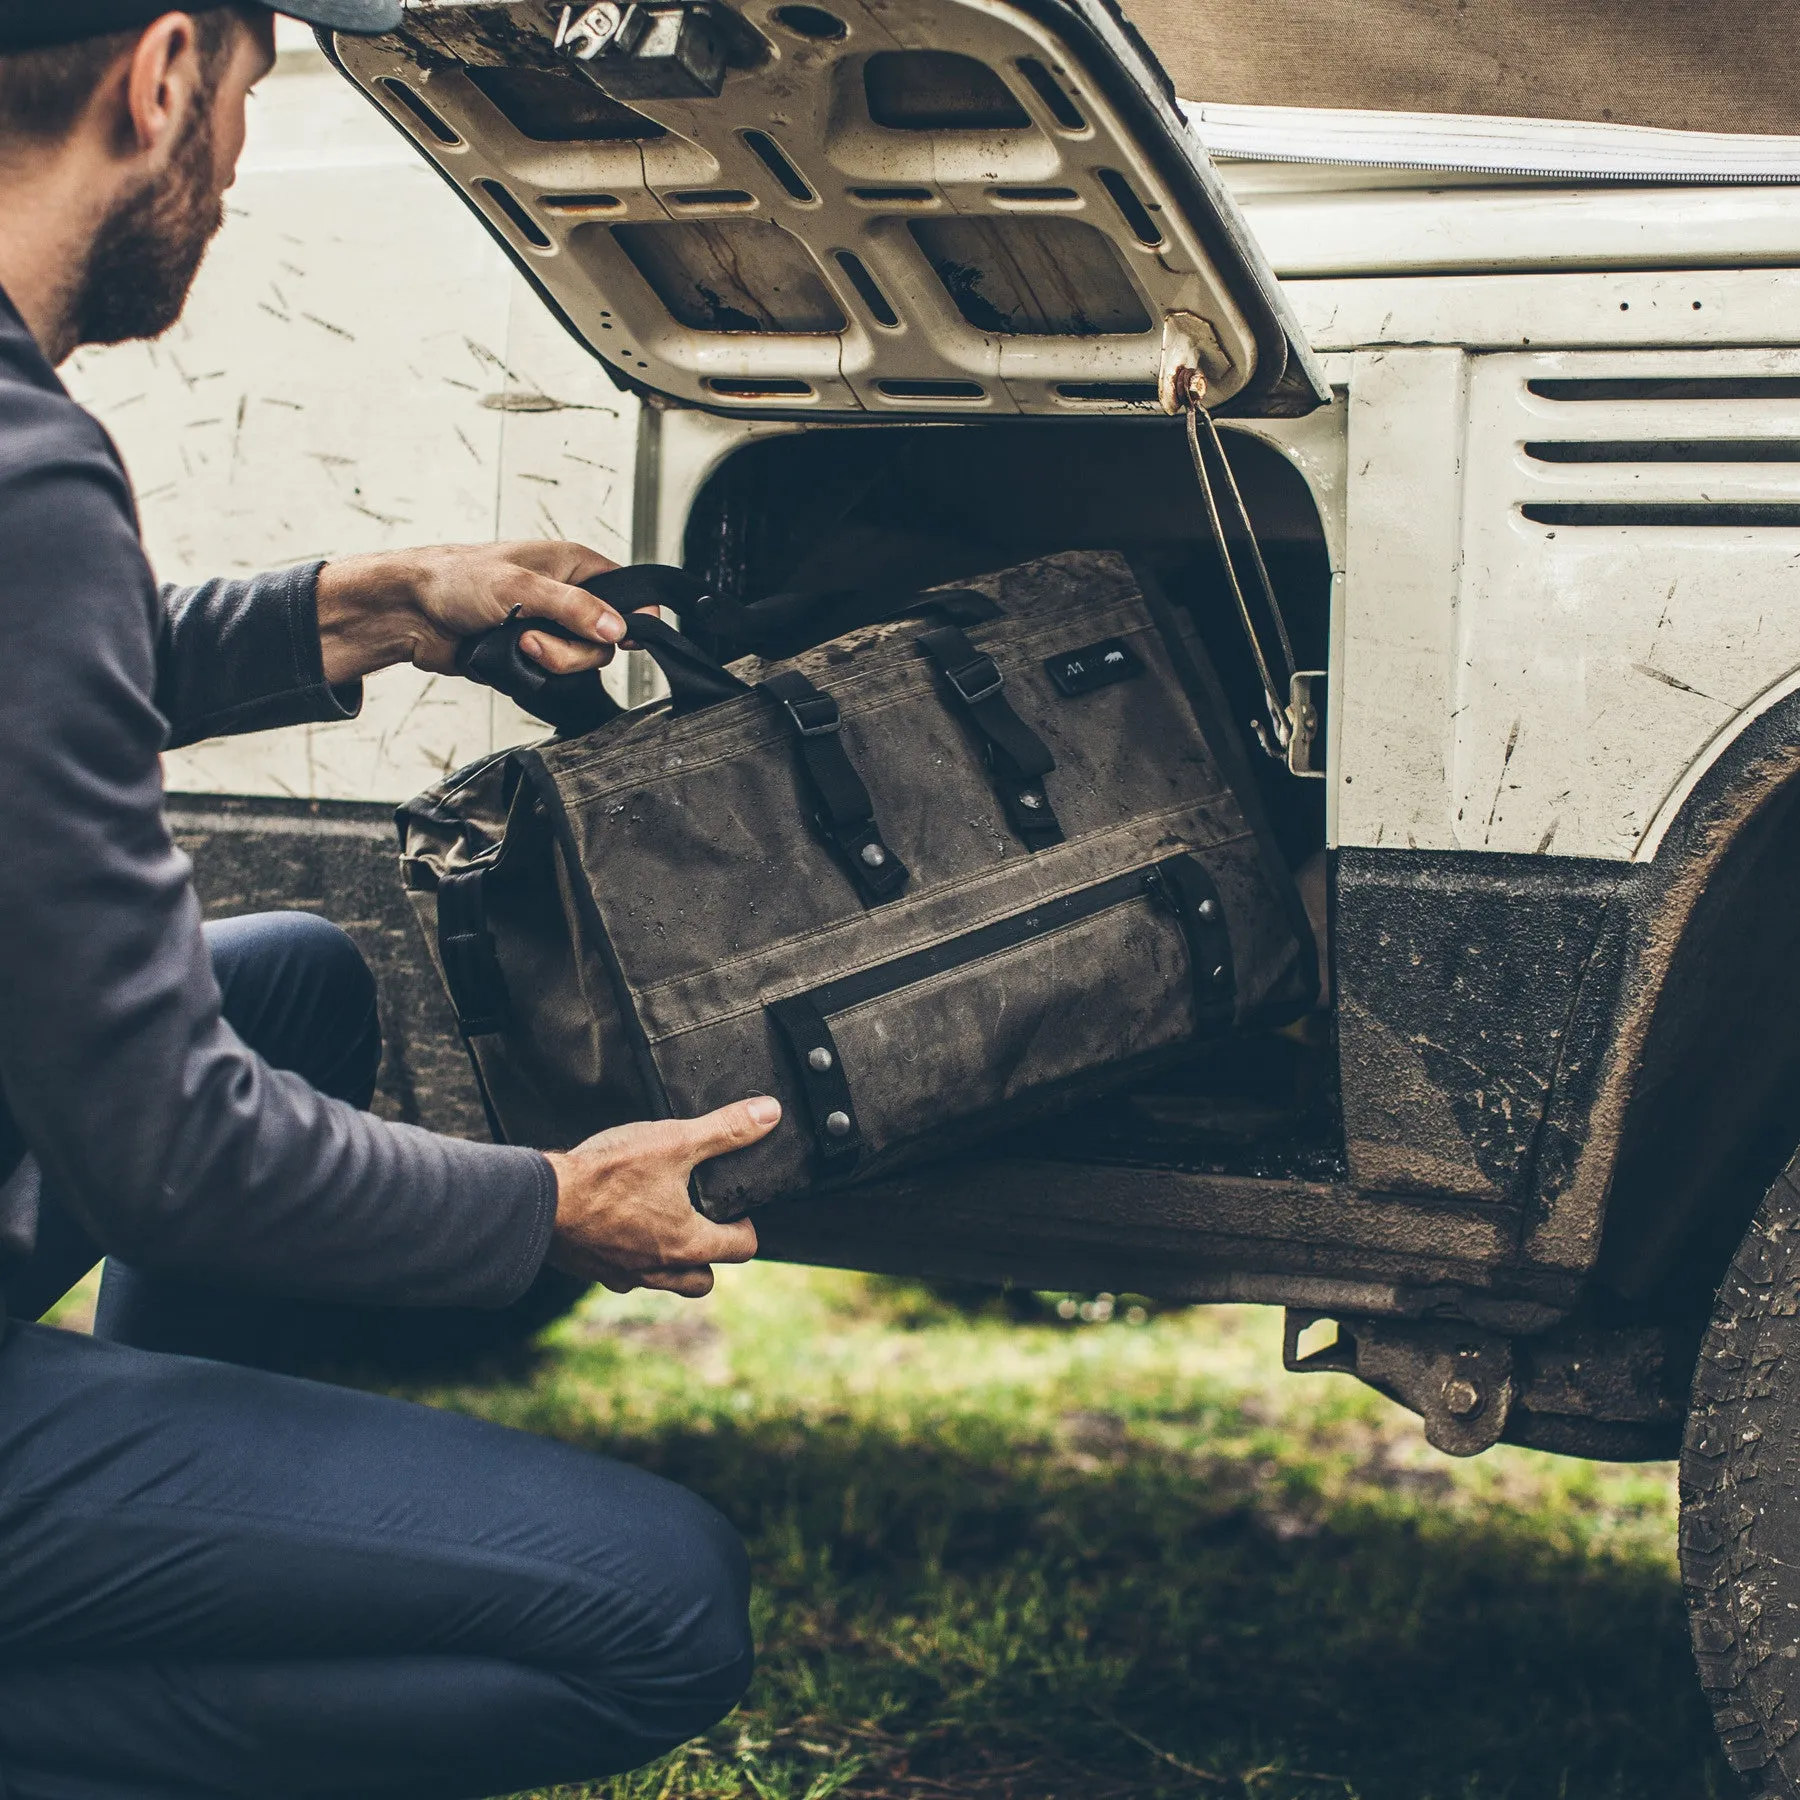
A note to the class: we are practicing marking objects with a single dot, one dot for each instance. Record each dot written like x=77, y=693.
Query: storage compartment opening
x=830, y=508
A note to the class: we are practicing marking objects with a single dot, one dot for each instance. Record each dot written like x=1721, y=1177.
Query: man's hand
x=623, y=1216
x=397, y=606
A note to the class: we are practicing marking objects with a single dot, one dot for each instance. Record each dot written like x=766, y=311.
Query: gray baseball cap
x=38, y=24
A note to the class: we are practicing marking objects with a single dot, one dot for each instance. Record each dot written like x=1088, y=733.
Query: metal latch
x=1294, y=698
x=649, y=49
x=1307, y=689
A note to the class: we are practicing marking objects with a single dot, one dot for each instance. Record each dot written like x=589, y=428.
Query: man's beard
x=149, y=248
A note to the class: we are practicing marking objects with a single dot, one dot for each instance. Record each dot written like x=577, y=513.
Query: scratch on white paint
x=312, y=403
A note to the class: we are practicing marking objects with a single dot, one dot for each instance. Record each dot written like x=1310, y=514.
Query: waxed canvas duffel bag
x=992, y=852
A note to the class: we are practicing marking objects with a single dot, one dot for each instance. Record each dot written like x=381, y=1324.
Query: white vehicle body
x=360, y=368
x=1555, y=498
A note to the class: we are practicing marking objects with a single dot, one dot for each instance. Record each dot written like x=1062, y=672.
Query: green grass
x=1088, y=1561
x=1127, y=1559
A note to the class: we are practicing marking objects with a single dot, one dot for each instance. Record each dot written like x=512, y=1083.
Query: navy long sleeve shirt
x=179, y=1149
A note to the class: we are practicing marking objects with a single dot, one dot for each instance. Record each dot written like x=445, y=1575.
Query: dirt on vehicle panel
x=1652, y=1007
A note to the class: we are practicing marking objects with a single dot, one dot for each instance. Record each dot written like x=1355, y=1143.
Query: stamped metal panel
x=1628, y=573
x=880, y=254
x=1570, y=575
x=1610, y=310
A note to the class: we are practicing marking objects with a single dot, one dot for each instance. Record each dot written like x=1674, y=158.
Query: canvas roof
x=1691, y=65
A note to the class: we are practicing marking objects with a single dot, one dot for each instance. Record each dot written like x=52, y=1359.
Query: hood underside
x=945, y=208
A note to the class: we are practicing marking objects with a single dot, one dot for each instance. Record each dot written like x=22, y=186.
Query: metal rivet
x=820, y=1059
x=874, y=855
x=1031, y=802
x=1207, y=909
x=838, y=1124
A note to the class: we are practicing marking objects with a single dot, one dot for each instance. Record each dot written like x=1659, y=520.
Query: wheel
x=1740, y=1500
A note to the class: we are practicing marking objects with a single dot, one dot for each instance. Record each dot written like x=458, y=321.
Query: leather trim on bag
x=837, y=1139
x=1183, y=885
x=471, y=960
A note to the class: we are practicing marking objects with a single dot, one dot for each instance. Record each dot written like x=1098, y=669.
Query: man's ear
x=163, y=80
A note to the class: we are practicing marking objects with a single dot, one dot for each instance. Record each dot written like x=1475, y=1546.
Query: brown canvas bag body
x=920, y=882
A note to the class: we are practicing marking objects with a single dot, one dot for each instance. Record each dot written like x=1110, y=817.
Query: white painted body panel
x=339, y=384
x=344, y=377
x=1517, y=686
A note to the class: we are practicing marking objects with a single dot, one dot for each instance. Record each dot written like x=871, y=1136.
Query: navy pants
x=219, y=1581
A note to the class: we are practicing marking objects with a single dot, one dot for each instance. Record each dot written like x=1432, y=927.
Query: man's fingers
x=733, y=1127
x=573, y=608
x=561, y=657
x=713, y=1243
x=690, y=1284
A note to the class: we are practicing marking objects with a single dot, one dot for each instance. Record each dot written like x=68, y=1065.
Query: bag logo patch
x=1094, y=666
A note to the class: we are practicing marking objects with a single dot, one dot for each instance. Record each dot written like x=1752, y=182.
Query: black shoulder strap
x=846, y=814
x=1018, y=757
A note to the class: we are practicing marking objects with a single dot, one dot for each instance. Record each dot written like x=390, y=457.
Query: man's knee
x=297, y=990
x=290, y=950
x=694, y=1663
x=720, y=1655
x=709, y=1655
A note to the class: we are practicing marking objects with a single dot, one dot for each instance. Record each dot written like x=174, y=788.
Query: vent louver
x=1674, y=410
x=1625, y=562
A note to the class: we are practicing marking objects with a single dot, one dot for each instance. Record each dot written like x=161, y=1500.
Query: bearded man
x=215, y=1579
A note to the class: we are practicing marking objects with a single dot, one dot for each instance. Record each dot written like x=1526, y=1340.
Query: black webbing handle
x=777, y=626
x=1018, y=757
x=696, y=680
x=573, y=704
x=577, y=704
x=846, y=814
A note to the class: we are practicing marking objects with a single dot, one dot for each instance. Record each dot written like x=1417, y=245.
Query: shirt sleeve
x=236, y=656
x=176, y=1146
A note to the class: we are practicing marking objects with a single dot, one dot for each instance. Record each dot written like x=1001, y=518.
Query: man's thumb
x=733, y=1127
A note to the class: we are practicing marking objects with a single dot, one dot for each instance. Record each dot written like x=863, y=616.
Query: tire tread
x=1746, y=1377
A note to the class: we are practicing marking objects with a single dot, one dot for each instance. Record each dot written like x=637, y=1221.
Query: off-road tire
x=1740, y=1500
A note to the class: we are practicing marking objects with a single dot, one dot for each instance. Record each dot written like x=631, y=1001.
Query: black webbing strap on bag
x=471, y=961
x=1018, y=757
x=472, y=973
x=823, y=1084
x=846, y=814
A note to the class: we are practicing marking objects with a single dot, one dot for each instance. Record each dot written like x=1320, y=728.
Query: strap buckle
x=976, y=680
x=814, y=715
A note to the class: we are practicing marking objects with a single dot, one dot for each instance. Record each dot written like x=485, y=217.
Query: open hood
x=853, y=210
